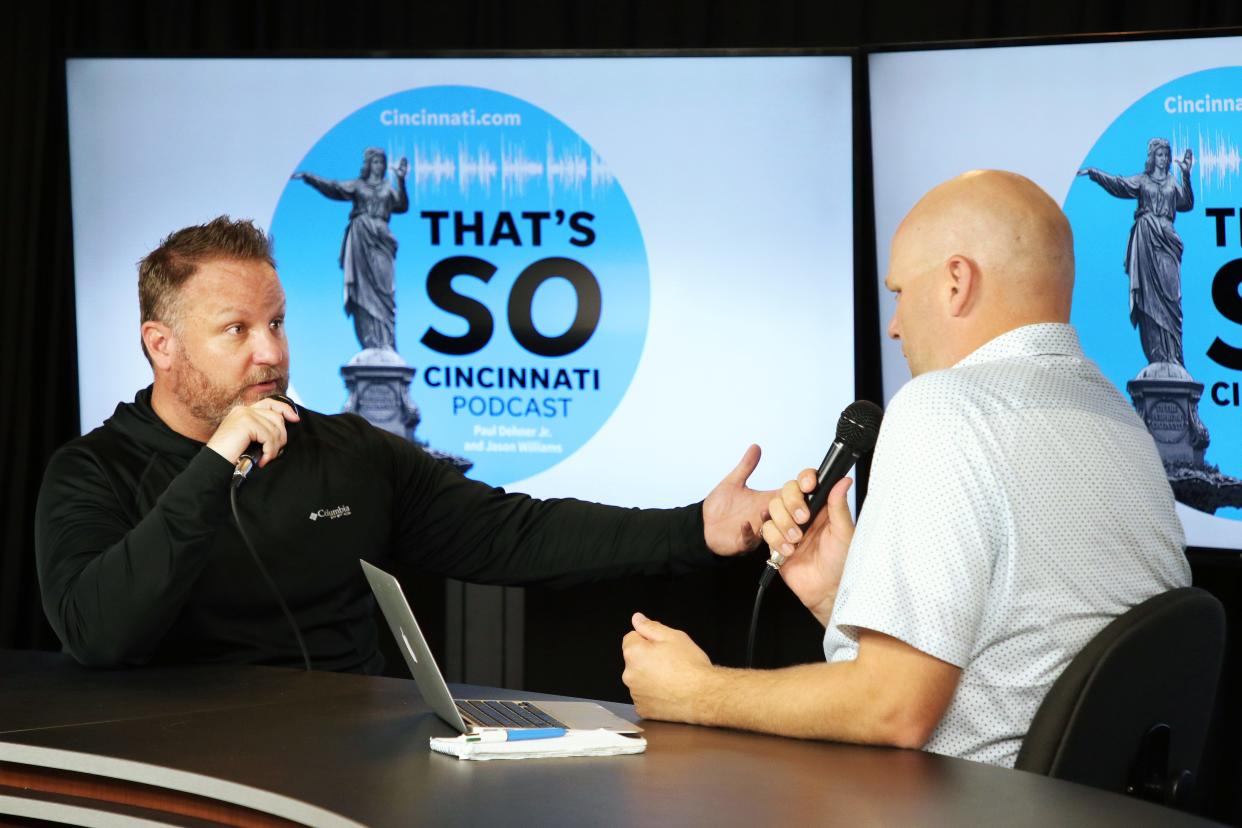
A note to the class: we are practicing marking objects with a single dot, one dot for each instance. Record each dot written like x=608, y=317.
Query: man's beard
x=210, y=402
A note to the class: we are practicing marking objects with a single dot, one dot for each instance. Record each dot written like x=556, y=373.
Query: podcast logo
x=476, y=245
x=1157, y=215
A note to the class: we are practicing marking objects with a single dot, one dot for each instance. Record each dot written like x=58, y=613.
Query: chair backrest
x=1158, y=664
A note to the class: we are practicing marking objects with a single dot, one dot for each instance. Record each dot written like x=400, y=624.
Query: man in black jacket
x=140, y=561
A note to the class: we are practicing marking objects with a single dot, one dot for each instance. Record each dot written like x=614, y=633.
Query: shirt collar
x=1042, y=339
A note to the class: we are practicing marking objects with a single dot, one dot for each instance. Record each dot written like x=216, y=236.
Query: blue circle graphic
x=521, y=282
x=1200, y=112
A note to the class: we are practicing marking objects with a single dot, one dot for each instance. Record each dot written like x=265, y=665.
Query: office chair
x=1131, y=712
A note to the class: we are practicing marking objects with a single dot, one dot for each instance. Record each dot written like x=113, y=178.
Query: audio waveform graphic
x=601, y=176
x=432, y=170
x=474, y=167
x=562, y=169
x=517, y=170
x=1217, y=158
x=565, y=169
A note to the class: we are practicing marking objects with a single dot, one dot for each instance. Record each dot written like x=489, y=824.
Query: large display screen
x=1140, y=143
x=591, y=272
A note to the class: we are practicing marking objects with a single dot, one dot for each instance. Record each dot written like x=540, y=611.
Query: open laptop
x=467, y=715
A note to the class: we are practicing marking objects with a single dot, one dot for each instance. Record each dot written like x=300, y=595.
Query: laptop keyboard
x=488, y=713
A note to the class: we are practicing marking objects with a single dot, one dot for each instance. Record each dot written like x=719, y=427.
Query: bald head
x=981, y=254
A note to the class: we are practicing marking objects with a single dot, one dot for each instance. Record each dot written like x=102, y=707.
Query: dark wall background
x=579, y=632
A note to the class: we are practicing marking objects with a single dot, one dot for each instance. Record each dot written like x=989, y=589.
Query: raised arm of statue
x=1185, y=193
x=402, y=202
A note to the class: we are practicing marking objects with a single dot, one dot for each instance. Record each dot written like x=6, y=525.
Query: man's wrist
x=227, y=449
x=703, y=525
x=695, y=526
x=823, y=609
x=703, y=705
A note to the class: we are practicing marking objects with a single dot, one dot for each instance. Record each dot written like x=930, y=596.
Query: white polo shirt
x=1017, y=504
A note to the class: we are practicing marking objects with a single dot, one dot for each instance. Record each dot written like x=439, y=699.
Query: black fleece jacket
x=140, y=561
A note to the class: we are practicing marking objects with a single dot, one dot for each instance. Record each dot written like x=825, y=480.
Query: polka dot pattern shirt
x=1017, y=505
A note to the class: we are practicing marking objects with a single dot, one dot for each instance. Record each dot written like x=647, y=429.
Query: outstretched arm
x=1115, y=185
x=449, y=524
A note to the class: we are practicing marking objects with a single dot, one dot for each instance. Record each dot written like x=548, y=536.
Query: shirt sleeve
x=922, y=557
x=455, y=526
x=112, y=584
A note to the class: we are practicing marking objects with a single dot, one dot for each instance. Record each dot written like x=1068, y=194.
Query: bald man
x=1017, y=505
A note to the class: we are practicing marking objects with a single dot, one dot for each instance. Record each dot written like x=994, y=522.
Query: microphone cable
x=766, y=578
x=297, y=633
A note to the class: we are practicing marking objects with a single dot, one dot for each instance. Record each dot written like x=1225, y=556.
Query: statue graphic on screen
x=369, y=249
x=1165, y=395
x=377, y=378
x=1154, y=253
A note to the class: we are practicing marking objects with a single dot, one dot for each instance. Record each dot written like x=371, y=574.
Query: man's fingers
x=648, y=629
x=749, y=540
x=786, y=512
x=775, y=540
x=838, y=506
x=263, y=422
x=782, y=512
x=269, y=430
x=795, y=501
x=742, y=471
x=273, y=413
x=807, y=480
x=276, y=436
x=286, y=411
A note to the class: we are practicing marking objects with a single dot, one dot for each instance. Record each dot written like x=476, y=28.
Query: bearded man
x=140, y=560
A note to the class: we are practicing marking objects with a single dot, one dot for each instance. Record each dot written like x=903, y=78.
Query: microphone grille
x=860, y=425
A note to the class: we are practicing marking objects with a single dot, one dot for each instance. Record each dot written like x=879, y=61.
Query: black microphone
x=248, y=460
x=856, y=434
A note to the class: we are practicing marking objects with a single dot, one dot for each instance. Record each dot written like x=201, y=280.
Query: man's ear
x=963, y=284
x=161, y=343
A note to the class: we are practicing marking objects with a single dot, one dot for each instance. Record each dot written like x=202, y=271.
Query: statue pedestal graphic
x=1167, y=398
x=378, y=381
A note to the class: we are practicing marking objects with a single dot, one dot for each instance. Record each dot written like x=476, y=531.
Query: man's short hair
x=165, y=269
